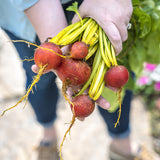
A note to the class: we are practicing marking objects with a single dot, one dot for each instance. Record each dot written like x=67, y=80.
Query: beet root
x=83, y=106
x=73, y=72
x=116, y=76
x=46, y=57
x=79, y=50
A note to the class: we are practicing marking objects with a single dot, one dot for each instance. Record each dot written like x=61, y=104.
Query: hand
x=112, y=15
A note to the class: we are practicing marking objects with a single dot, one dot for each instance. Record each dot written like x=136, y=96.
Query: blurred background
x=20, y=133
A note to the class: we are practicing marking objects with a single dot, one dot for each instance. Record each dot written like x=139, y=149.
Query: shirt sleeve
x=22, y=5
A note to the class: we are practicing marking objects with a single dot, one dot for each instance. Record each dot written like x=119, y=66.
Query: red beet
x=83, y=106
x=79, y=50
x=73, y=72
x=43, y=56
x=116, y=76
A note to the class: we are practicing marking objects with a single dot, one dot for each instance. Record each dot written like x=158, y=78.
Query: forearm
x=47, y=18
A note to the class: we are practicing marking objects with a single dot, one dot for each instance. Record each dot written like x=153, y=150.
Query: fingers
x=115, y=35
x=70, y=93
x=35, y=68
x=114, y=23
x=123, y=31
x=72, y=90
x=103, y=103
x=81, y=118
x=75, y=18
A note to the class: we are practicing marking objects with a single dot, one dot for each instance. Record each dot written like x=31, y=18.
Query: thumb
x=75, y=18
x=103, y=103
x=35, y=68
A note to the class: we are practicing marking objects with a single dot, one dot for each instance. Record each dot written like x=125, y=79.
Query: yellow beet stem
x=113, y=55
x=97, y=80
x=92, y=33
x=71, y=38
x=97, y=95
x=80, y=18
x=97, y=58
x=35, y=80
x=105, y=58
x=107, y=49
x=94, y=70
x=75, y=27
x=66, y=31
x=86, y=32
x=92, y=50
x=93, y=41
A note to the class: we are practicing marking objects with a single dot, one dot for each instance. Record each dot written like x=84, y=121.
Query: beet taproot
x=48, y=56
x=83, y=106
x=73, y=72
x=116, y=76
x=79, y=50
